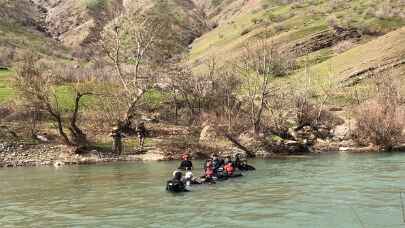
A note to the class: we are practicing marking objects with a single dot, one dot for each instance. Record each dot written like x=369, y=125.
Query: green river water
x=337, y=190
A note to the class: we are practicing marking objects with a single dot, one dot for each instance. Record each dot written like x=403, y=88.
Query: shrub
x=379, y=124
x=95, y=4
x=309, y=114
x=283, y=64
x=381, y=121
x=7, y=56
x=332, y=21
x=343, y=46
x=278, y=27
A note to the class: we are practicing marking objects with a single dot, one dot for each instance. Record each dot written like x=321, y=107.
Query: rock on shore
x=15, y=154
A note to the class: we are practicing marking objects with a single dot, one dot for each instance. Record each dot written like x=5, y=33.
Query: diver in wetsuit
x=176, y=184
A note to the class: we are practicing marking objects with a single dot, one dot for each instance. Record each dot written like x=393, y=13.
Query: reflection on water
x=320, y=191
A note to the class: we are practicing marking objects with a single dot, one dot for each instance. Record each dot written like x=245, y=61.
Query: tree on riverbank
x=38, y=84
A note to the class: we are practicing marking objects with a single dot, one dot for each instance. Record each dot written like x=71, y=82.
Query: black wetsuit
x=186, y=165
x=176, y=185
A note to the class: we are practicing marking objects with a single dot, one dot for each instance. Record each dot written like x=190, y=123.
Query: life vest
x=229, y=169
x=209, y=172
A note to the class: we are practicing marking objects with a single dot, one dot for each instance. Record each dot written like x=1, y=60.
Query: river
x=336, y=190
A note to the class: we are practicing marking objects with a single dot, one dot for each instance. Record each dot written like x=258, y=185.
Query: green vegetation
x=95, y=4
x=22, y=38
x=285, y=23
x=298, y=57
x=6, y=92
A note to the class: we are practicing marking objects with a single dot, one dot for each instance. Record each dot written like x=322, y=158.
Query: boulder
x=232, y=152
x=341, y=132
x=248, y=139
x=323, y=132
x=208, y=135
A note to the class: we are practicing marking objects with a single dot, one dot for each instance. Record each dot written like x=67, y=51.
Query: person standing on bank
x=141, y=134
x=117, y=140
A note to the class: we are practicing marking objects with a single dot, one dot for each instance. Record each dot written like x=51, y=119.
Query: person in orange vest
x=209, y=170
x=229, y=169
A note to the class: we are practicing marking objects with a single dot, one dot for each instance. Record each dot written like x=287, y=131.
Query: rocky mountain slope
x=75, y=23
x=314, y=31
x=345, y=32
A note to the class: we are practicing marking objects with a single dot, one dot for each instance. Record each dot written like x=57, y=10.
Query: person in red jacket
x=229, y=169
x=209, y=170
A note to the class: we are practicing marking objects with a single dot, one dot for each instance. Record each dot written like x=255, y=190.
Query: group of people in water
x=215, y=168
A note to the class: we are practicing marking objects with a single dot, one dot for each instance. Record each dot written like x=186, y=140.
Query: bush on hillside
x=343, y=46
x=283, y=64
x=381, y=121
x=379, y=124
x=313, y=115
x=7, y=56
x=95, y=4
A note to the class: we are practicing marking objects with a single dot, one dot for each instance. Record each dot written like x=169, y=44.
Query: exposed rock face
x=25, y=12
x=321, y=40
x=77, y=23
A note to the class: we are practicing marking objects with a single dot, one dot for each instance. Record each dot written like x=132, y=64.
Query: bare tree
x=128, y=44
x=38, y=83
x=37, y=86
x=256, y=70
x=195, y=90
x=226, y=94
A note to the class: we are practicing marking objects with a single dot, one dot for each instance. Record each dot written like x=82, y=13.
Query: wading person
x=186, y=163
x=229, y=169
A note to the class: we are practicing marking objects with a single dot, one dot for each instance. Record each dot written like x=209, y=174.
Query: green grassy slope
x=14, y=35
x=286, y=23
x=382, y=57
x=6, y=92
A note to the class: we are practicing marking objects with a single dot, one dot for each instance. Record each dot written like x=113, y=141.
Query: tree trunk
x=249, y=153
x=58, y=119
x=79, y=136
x=61, y=131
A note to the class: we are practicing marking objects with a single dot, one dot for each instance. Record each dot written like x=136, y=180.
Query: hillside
x=334, y=47
x=48, y=26
x=316, y=29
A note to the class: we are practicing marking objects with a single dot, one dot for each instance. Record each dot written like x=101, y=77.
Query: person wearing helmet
x=209, y=170
x=216, y=162
x=176, y=184
x=186, y=163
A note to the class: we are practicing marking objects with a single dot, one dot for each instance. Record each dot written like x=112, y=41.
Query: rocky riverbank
x=24, y=155
x=167, y=142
